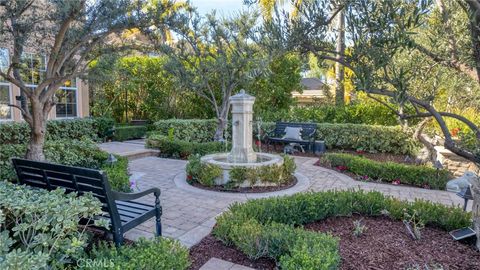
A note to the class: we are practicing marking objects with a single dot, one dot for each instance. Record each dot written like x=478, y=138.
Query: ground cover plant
x=273, y=227
x=391, y=172
x=158, y=253
x=39, y=229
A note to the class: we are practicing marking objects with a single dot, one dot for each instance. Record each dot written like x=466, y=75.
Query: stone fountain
x=242, y=154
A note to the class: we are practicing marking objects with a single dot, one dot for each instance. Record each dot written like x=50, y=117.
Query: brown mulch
x=210, y=247
x=283, y=186
x=385, y=244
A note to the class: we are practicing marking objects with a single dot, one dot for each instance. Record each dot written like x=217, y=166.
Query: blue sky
x=223, y=7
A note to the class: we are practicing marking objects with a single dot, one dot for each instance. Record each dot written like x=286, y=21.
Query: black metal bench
x=308, y=134
x=123, y=213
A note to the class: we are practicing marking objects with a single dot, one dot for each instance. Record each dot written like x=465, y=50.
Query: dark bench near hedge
x=123, y=213
x=308, y=133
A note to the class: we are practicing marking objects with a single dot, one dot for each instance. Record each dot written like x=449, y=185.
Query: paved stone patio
x=189, y=215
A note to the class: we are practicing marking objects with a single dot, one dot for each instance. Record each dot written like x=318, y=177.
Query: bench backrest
x=73, y=179
x=307, y=128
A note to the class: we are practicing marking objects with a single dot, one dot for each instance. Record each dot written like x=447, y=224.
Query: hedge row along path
x=189, y=215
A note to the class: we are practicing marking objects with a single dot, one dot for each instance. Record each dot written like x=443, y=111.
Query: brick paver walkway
x=189, y=216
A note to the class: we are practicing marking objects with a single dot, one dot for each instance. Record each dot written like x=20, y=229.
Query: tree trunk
x=37, y=132
x=340, y=69
x=222, y=122
x=475, y=188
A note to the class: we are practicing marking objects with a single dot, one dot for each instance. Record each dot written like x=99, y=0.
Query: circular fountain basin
x=221, y=160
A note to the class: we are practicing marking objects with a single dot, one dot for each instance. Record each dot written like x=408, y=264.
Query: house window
x=33, y=68
x=5, y=93
x=67, y=100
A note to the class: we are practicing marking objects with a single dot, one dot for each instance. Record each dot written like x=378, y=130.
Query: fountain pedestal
x=242, y=116
x=242, y=154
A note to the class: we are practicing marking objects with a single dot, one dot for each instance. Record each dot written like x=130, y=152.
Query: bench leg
x=158, y=215
x=118, y=237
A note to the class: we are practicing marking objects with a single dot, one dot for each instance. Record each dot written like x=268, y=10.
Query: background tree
x=214, y=57
x=380, y=32
x=153, y=93
x=71, y=34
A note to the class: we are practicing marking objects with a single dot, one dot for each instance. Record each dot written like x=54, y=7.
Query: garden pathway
x=189, y=214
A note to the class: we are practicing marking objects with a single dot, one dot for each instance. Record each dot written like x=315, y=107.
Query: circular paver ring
x=303, y=183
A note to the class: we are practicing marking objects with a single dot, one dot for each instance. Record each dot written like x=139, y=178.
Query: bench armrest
x=311, y=136
x=122, y=196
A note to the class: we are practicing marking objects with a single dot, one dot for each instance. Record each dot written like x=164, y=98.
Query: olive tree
x=70, y=34
x=388, y=37
x=213, y=57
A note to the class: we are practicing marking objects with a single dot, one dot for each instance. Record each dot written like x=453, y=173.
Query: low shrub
x=159, y=253
x=272, y=227
x=265, y=174
x=123, y=133
x=192, y=130
x=80, y=153
x=182, y=148
x=117, y=174
x=370, y=138
x=74, y=129
x=104, y=126
x=420, y=175
x=205, y=174
x=39, y=229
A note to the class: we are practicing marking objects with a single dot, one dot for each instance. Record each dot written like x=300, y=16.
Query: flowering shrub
x=39, y=228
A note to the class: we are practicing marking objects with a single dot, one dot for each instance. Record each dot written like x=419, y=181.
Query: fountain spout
x=242, y=114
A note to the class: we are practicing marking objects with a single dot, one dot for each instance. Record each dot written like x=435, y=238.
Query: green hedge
x=420, y=175
x=369, y=138
x=272, y=227
x=123, y=133
x=81, y=153
x=75, y=129
x=158, y=253
x=192, y=130
x=182, y=148
x=370, y=113
x=39, y=229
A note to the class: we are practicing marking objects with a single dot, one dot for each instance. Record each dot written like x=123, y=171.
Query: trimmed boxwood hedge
x=370, y=138
x=420, y=175
x=182, y=148
x=272, y=227
x=123, y=133
x=192, y=130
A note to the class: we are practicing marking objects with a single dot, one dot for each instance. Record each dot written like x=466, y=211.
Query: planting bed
x=385, y=244
x=254, y=189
